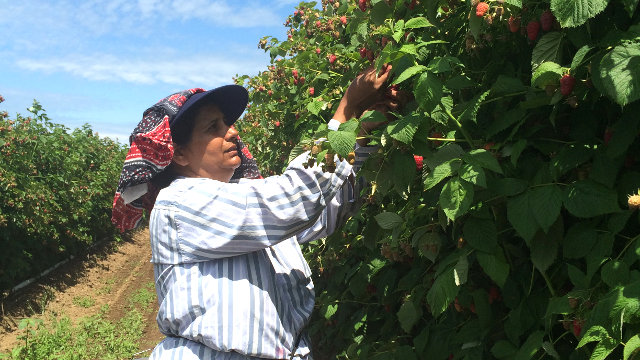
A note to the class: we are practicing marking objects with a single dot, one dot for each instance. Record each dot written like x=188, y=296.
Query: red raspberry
x=311, y=91
x=277, y=123
x=577, y=327
x=318, y=51
x=546, y=20
x=567, y=82
x=332, y=58
x=343, y=20
x=481, y=9
x=418, y=160
x=363, y=53
x=318, y=23
x=533, y=27
x=514, y=24
x=362, y=4
x=294, y=72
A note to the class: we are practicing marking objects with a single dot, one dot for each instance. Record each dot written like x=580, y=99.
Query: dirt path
x=110, y=275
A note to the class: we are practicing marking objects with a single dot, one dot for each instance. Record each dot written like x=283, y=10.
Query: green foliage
x=512, y=238
x=57, y=190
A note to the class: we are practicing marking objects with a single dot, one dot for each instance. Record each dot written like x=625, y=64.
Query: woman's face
x=212, y=152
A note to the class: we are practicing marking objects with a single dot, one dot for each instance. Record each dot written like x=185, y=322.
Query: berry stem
x=631, y=241
x=464, y=132
x=548, y=281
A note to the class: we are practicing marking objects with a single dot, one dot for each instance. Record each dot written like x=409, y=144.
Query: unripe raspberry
x=514, y=24
x=533, y=27
x=546, y=20
x=567, y=82
x=481, y=9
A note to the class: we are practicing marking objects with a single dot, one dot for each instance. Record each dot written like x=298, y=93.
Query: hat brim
x=231, y=99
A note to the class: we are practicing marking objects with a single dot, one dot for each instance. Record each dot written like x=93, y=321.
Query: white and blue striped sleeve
x=200, y=219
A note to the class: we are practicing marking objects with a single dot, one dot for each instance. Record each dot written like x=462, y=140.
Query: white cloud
x=197, y=70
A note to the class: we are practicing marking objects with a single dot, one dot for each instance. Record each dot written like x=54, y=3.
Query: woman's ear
x=179, y=155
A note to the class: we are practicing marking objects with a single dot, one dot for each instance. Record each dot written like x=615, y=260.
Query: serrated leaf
x=615, y=273
x=495, y=266
x=544, y=247
x=530, y=347
x=441, y=172
x=471, y=107
x=404, y=170
x=461, y=270
x=631, y=347
x=550, y=349
x=373, y=116
x=315, y=107
x=578, y=241
x=388, y=220
x=520, y=216
x=508, y=186
x=408, y=315
x=547, y=49
x=603, y=349
x=483, y=159
x=481, y=234
x=442, y=292
x=576, y=12
x=410, y=72
x=558, y=305
x=594, y=333
x=444, y=64
x=417, y=22
x=624, y=131
x=398, y=30
x=473, y=174
x=588, y=199
x=456, y=197
x=547, y=73
x=342, y=142
x=630, y=6
x=578, y=58
x=428, y=91
x=516, y=3
x=545, y=203
x=330, y=311
x=619, y=73
x=428, y=242
x=405, y=128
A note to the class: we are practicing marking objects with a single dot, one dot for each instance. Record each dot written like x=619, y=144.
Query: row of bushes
x=57, y=189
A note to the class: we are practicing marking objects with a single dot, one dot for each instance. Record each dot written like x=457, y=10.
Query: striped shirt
x=230, y=276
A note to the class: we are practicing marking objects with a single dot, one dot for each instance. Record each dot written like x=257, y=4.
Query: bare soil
x=109, y=275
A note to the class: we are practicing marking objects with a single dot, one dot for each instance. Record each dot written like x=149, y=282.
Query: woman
x=230, y=276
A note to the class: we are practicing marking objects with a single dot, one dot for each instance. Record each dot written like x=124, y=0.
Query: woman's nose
x=232, y=133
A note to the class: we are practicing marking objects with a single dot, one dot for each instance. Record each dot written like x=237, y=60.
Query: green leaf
x=615, y=273
x=481, y=234
x=471, y=107
x=588, y=199
x=516, y=3
x=441, y=172
x=373, y=116
x=473, y=174
x=547, y=49
x=630, y=6
x=428, y=91
x=579, y=241
x=503, y=349
x=315, y=107
x=508, y=186
x=506, y=85
x=619, y=73
x=456, y=197
x=544, y=247
x=631, y=347
x=530, y=346
x=417, y=22
x=380, y=12
x=442, y=292
x=410, y=72
x=405, y=128
x=594, y=333
x=576, y=12
x=578, y=58
x=603, y=349
x=483, y=159
x=388, y=220
x=547, y=73
x=624, y=131
x=495, y=266
x=404, y=170
x=428, y=242
x=520, y=216
x=550, y=349
x=545, y=203
x=342, y=142
x=439, y=65
x=398, y=31
x=330, y=311
x=408, y=315
x=558, y=305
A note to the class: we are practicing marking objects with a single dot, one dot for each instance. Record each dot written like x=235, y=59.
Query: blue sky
x=104, y=62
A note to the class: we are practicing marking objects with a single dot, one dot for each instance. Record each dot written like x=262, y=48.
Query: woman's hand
x=365, y=91
x=391, y=102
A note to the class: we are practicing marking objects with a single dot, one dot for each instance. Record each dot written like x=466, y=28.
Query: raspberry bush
x=501, y=220
x=57, y=188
